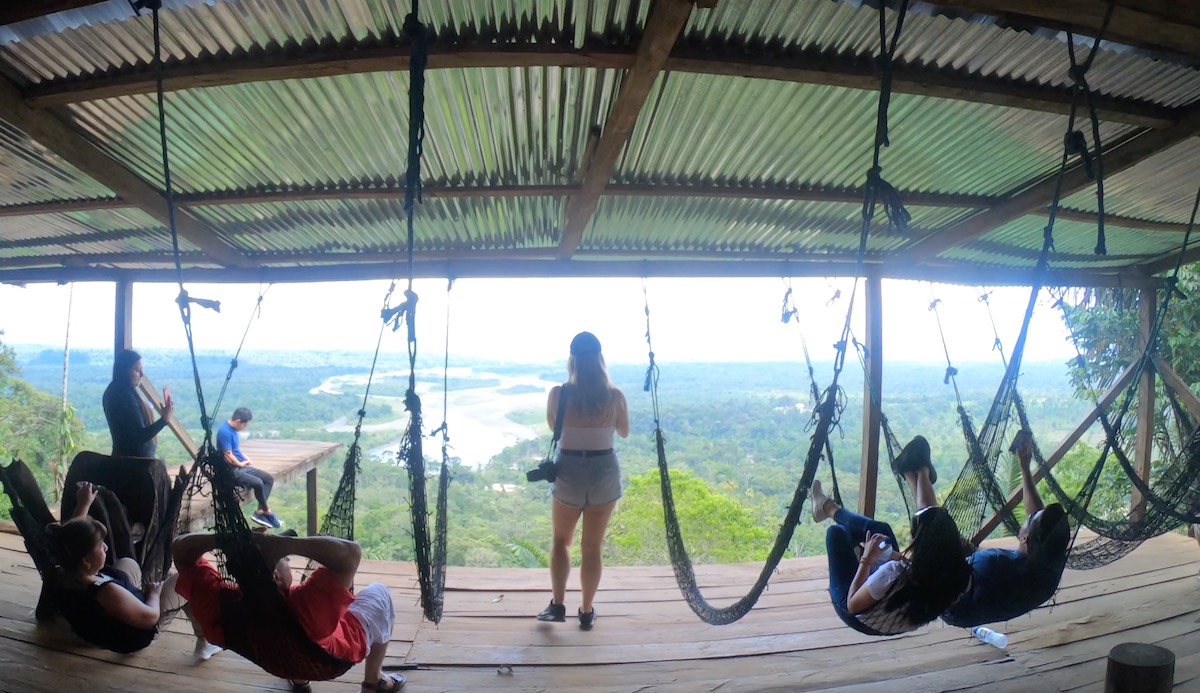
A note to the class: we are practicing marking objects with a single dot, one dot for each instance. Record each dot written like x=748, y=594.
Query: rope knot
x=893, y=206
x=1075, y=143
x=951, y=371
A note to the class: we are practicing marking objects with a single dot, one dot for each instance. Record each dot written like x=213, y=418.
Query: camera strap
x=558, y=420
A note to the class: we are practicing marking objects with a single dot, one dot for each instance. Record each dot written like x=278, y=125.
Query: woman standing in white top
x=588, y=477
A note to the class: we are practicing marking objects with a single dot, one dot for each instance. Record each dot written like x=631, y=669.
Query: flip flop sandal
x=394, y=683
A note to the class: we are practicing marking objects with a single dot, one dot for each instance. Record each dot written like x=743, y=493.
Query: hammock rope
x=430, y=561
x=261, y=626
x=832, y=400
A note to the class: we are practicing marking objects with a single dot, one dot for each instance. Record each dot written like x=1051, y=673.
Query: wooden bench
x=285, y=460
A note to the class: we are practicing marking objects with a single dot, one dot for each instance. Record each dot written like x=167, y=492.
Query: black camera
x=543, y=472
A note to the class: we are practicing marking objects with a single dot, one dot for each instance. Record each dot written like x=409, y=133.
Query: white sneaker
x=205, y=650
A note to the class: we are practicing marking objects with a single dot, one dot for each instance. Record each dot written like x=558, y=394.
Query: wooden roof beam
x=918, y=80
x=802, y=68
x=663, y=26
x=13, y=11
x=1162, y=25
x=1036, y=195
x=480, y=265
x=45, y=128
x=61, y=207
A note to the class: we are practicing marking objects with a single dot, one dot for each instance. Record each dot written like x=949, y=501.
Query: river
x=477, y=417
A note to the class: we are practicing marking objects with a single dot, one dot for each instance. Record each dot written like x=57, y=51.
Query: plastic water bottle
x=991, y=637
x=887, y=552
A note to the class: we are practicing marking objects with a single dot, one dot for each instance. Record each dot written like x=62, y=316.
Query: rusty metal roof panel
x=483, y=126
x=441, y=224
x=29, y=173
x=1161, y=188
x=632, y=223
x=701, y=128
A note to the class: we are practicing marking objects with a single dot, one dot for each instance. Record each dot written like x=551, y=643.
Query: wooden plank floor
x=646, y=639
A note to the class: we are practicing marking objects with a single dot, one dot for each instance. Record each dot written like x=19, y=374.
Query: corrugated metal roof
x=981, y=48
x=92, y=232
x=631, y=223
x=29, y=173
x=1073, y=239
x=379, y=225
x=1161, y=188
x=711, y=128
x=99, y=38
x=530, y=126
x=483, y=127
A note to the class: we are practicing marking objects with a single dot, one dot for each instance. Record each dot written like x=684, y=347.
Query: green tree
x=715, y=527
x=31, y=422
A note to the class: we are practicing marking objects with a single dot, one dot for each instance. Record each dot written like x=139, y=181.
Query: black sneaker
x=555, y=612
x=261, y=519
x=586, y=621
x=914, y=456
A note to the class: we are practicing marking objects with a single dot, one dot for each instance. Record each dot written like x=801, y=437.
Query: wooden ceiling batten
x=483, y=265
x=52, y=133
x=59, y=207
x=803, y=68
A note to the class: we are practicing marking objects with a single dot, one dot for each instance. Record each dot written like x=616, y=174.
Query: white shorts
x=372, y=606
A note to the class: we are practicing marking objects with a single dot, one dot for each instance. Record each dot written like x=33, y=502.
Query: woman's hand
x=85, y=495
x=168, y=406
x=871, y=547
x=154, y=589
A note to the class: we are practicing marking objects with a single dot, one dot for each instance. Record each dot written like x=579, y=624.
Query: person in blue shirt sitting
x=244, y=473
x=1005, y=583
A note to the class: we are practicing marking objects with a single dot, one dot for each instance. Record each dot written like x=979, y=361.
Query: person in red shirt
x=354, y=628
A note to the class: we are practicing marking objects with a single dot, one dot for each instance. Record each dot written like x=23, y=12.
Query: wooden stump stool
x=1137, y=668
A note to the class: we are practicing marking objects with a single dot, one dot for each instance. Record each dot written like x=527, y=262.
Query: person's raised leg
x=591, y=547
x=922, y=488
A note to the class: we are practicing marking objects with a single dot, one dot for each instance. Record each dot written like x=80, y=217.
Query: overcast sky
x=533, y=320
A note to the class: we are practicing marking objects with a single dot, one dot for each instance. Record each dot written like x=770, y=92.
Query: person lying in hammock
x=354, y=628
x=105, y=605
x=1007, y=584
x=885, y=591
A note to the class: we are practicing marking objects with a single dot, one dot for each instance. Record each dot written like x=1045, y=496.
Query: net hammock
x=259, y=623
x=831, y=402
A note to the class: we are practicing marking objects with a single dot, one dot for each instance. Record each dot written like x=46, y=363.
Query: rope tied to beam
x=877, y=189
x=1074, y=141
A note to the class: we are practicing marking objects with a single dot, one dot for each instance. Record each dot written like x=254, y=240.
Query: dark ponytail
x=74, y=539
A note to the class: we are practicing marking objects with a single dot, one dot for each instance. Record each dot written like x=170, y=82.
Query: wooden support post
x=868, y=480
x=312, y=501
x=1063, y=448
x=1138, y=668
x=1144, y=441
x=123, y=317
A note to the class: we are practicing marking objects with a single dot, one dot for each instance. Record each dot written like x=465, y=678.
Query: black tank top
x=90, y=622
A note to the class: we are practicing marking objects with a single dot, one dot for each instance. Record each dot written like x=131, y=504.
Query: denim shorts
x=587, y=481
